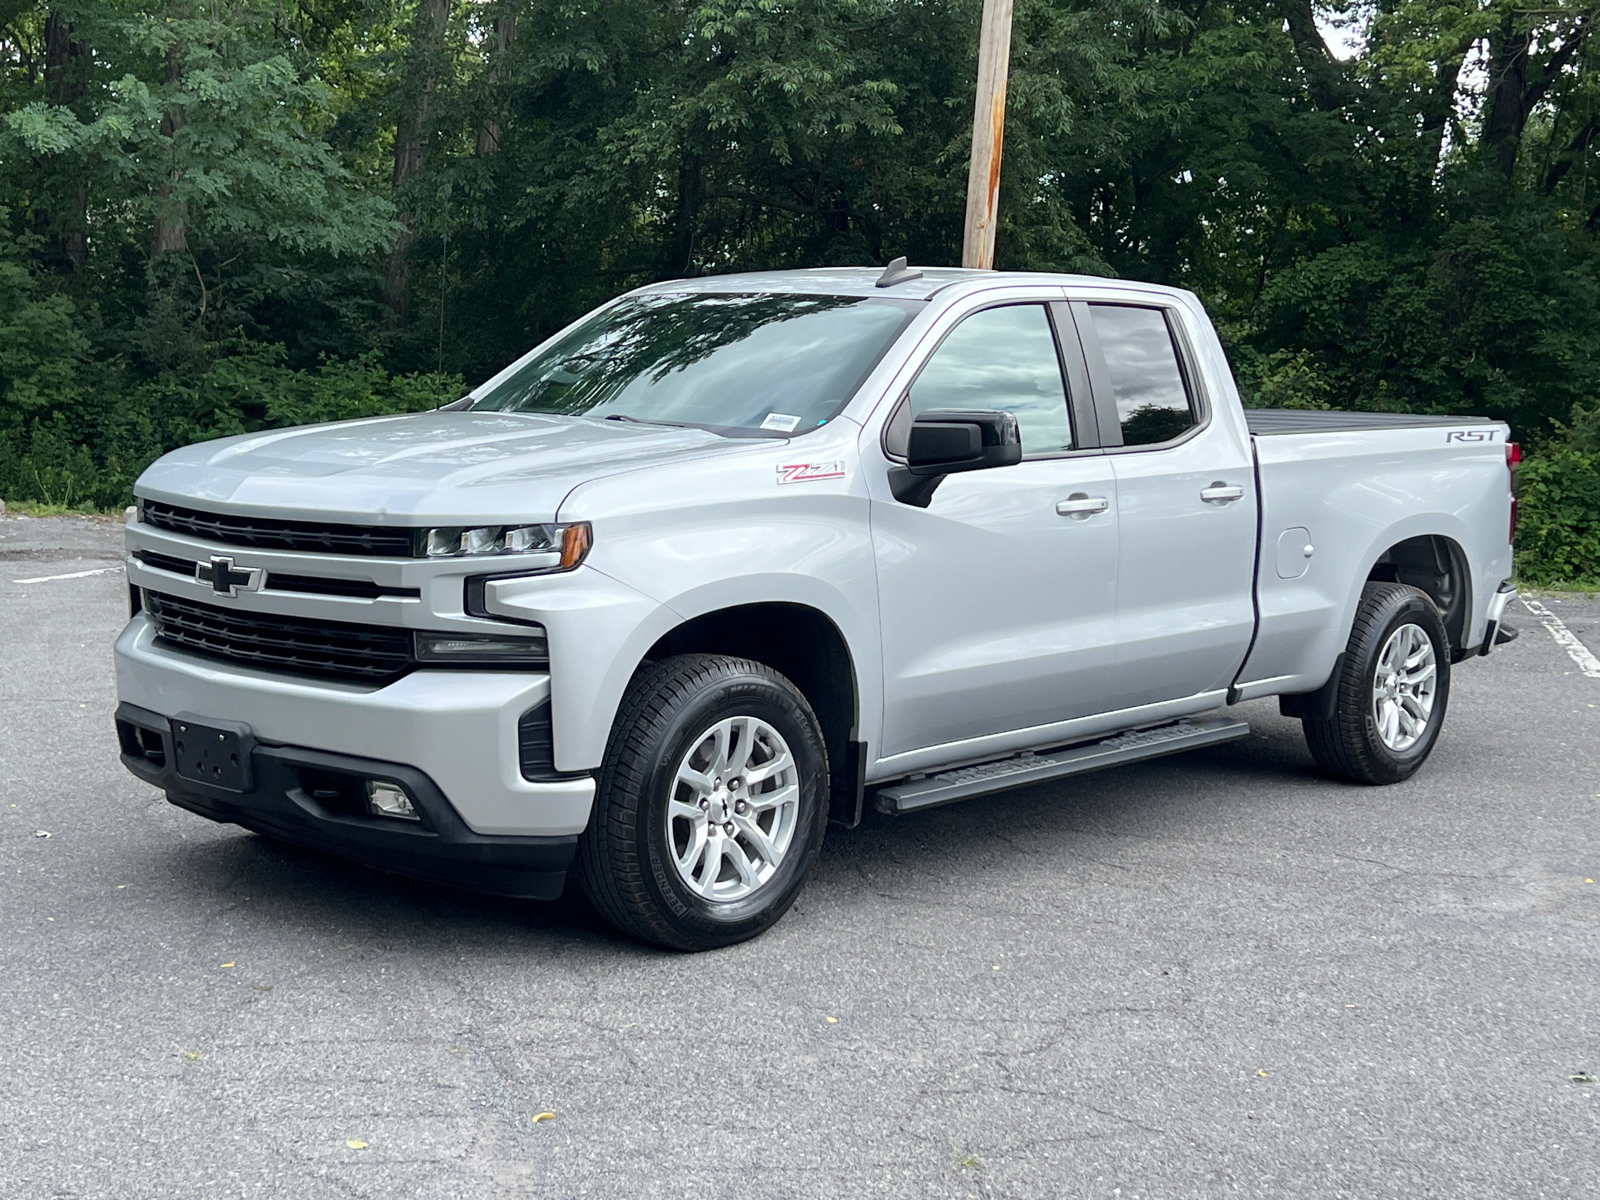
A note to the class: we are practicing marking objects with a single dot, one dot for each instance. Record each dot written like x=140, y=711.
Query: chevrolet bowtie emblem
x=226, y=579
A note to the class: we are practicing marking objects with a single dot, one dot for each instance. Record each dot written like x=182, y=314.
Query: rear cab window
x=1154, y=402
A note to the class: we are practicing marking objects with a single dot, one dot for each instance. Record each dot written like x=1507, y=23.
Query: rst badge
x=806, y=472
x=1472, y=435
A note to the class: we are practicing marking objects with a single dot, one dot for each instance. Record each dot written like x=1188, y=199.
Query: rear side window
x=1153, y=401
x=1002, y=359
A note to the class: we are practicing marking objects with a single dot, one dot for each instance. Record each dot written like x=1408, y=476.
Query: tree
x=233, y=205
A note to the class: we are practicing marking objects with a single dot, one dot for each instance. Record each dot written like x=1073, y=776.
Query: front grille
x=166, y=562
x=316, y=585
x=268, y=533
x=374, y=654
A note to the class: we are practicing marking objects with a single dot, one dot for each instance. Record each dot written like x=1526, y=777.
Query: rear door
x=1187, y=507
x=998, y=599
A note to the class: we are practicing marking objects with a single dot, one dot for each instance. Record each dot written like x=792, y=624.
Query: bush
x=50, y=468
x=47, y=459
x=1558, y=495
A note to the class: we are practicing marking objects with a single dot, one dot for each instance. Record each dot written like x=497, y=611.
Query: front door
x=997, y=601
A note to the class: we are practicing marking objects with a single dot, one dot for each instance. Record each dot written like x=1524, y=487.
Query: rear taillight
x=1513, y=457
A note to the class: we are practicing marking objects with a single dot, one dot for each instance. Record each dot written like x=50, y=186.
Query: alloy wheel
x=1403, y=687
x=733, y=810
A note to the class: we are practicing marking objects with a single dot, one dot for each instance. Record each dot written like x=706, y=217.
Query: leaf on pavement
x=544, y=1116
x=355, y=1145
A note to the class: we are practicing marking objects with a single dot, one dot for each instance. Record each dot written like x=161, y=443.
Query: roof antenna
x=898, y=272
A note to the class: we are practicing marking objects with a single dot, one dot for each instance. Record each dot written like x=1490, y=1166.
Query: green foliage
x=1490, y=319
x=41, y=348
x=221, y=218
x=1558, y=499
x=43, y=463
x=211, y=125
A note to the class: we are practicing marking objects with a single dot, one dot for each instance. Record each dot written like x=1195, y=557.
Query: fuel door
x=1294, y=552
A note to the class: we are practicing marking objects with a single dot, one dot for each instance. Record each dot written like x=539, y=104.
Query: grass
x=1587, y=588
x=34, y=508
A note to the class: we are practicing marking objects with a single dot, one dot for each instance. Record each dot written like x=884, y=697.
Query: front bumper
x=317, y=799
x=459, y=728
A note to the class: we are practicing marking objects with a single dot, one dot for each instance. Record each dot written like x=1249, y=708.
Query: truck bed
x=1268, y=422
x=1337, y=490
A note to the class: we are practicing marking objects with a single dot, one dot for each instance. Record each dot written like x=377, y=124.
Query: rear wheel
x=711, y=806
x=1393, y=688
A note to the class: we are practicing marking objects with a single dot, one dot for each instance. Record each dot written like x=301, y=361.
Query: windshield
x=748, y=365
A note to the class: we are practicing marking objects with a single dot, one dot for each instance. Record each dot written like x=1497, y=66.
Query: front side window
x=760, y=365
x=1001, y=359
x=1153, y=402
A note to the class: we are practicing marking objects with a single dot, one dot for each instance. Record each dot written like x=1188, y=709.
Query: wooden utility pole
x=988, y=130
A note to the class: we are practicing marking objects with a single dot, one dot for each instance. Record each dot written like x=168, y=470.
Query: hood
x=440, y=467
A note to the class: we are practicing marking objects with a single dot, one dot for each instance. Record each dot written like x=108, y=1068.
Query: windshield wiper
x=640, y=420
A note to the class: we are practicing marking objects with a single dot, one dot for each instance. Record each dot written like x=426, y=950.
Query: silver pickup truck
x=732, y=557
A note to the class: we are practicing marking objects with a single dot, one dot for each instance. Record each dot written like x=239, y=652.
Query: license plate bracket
x=215, y=753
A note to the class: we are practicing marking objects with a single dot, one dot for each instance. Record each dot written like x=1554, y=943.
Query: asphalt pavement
x=1214, y=975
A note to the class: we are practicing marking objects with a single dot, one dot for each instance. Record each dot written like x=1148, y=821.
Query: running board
x=961, y=783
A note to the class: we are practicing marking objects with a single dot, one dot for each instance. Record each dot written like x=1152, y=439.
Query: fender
x=858, y=629
x=1289, y=659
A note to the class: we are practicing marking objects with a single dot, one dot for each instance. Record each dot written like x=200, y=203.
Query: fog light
x=390, y=800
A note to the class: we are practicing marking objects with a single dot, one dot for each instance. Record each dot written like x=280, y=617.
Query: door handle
x=1080, y=506
x=1221, y=493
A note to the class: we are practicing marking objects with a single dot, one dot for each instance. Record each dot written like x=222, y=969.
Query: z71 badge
x=806, y=472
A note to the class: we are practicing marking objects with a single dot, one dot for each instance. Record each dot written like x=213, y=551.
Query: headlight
x=549, y=547
x=482, y=649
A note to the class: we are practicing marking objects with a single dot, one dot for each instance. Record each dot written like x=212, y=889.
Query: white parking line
x=73, y=575
x=1565, y=638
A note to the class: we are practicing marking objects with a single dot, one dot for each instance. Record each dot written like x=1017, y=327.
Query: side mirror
x=944, y=442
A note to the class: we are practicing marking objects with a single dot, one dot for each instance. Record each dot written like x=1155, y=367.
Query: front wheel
x=1392, y=689
x=711, y=805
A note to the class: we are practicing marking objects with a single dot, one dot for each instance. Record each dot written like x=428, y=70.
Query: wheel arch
x=1437, y=564
x=806, y=646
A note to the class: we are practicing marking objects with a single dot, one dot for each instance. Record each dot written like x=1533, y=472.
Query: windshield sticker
x=782, y=422
x=806, y=472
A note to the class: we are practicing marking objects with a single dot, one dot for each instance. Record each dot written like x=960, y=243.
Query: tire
x=1373, y=736
x=638, y=862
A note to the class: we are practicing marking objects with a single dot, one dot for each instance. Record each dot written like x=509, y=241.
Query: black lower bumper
x=318, y=799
